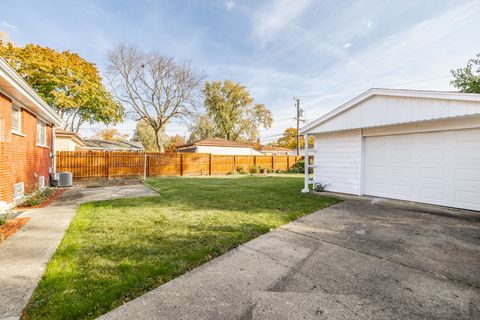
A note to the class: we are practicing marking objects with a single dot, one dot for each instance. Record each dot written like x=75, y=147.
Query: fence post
x=210, y=164
x=273, y=163
x=181, y=164
x=107, y=163
x=234, y=165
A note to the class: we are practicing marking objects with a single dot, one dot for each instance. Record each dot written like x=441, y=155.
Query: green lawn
x=116, y=250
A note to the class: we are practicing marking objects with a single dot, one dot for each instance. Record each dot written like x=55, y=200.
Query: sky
x=324, y=52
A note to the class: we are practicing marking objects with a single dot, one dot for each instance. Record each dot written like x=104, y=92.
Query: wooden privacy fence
x=113, y=164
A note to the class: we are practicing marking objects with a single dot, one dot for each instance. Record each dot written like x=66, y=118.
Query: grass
x=114, y=251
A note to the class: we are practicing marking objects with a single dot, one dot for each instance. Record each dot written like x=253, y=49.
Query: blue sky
x=324, y=52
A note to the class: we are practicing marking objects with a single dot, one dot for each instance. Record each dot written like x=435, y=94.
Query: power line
x=364, y=89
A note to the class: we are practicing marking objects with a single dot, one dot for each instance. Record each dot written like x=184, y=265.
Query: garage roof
x=378, y=107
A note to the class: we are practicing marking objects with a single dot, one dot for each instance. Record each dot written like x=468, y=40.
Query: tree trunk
x=158, y=142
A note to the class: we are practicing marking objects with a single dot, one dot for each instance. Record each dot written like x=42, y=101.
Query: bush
x=37, y=198
x=255, y=169
x=242, y=170
x=269, y=170
x=300, y=166
x=4, y=217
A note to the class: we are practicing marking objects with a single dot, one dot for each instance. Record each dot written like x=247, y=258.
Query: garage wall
x=387, y=110
x=337, y=159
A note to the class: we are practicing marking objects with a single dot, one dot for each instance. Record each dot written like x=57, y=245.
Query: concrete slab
x=354, y=260
x=24, y=256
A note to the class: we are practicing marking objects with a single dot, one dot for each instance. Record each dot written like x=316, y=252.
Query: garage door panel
x=402, y=190
x=402, y=171
x=432, y=193
x=437, y=167
x=432, y=172
x=432, y=154
x=467, y=174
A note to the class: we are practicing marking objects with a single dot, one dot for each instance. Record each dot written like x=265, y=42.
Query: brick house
x=26, y=140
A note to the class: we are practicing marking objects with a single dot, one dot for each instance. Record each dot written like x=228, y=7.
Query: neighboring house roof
x=117, y=145
x=216, y=142
x=59, y=133
x=13, y=85
x=416, y=106
x=272, y=148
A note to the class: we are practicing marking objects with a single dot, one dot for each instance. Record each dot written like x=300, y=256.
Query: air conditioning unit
x=64, y=179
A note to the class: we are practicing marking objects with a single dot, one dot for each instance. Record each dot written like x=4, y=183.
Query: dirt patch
x=11, y=226
x=108, y=182
x=57, y=193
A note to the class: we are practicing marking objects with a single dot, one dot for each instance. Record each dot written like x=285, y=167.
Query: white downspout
x=54, y=151
x=307, y=176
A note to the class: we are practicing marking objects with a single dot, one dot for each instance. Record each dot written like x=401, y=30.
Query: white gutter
x=20, y=85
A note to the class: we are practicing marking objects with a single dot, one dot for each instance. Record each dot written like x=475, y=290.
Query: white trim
x=362, y=165
x=392, y=93
x=21, y=85
x=18, y=133
x=307, y=166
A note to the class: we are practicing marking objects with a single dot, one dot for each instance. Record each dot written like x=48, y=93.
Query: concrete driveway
x=355, y=260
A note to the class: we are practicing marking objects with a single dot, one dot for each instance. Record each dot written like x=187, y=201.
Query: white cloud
x=270, y=19
x=230, y=5
x=369, y=24
x=347, y=45
x=4, y=25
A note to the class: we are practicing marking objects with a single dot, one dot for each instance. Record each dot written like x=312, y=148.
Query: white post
x=307, y=176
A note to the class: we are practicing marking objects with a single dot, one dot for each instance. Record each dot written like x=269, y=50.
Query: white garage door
x=440, y=168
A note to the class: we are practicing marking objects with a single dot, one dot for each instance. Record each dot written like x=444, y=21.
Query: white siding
x=338, y=161
x=228, y=150
x=388, y=110
x=64, y=144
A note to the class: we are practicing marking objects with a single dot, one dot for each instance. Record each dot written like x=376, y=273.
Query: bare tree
x=155, y=88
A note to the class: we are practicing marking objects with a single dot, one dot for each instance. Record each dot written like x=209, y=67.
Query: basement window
x=18, y=190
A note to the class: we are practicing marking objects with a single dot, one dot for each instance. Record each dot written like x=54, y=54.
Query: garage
x=421, y=146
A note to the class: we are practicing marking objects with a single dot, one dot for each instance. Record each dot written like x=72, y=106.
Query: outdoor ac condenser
x=64, y=179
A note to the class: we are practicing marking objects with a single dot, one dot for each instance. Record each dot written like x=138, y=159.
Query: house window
x=16, y=119
x=41, y=133
x=18, y=190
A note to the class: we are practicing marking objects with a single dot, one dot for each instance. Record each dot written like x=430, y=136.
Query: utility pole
x=299, y=111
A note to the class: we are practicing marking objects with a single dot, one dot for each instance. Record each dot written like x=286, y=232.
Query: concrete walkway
x=354, y=260
x=24, y=256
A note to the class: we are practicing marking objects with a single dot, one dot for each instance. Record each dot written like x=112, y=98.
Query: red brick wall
x=20, y=157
